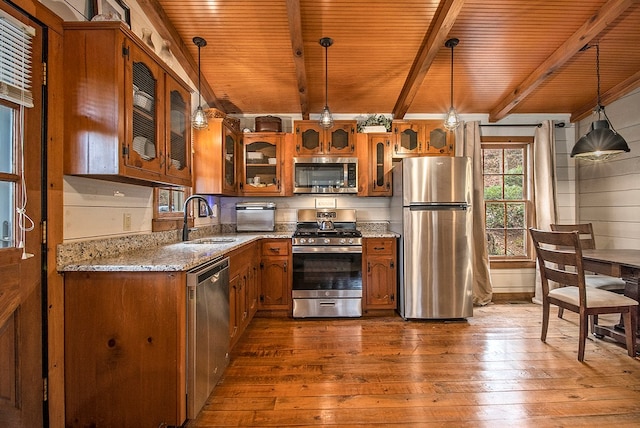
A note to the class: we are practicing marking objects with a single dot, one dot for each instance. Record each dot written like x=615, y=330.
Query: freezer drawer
x=437, y=277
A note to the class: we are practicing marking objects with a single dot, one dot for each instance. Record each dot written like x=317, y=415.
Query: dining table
x=620, y=263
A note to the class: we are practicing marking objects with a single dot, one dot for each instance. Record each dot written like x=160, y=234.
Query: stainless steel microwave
x=325, y=175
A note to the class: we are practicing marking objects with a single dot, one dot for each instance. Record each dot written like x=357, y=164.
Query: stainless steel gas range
x=327, y=264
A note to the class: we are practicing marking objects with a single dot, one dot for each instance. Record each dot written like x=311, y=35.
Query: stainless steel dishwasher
x=207, y=330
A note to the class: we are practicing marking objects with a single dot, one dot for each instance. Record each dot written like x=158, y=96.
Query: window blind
x=15, y=60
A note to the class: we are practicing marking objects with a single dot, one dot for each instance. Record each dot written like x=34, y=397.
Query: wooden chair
x=588, y=242
x=560, y=259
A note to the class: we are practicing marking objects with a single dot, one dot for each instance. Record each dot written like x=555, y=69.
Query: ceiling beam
x=160, y=21
x=590, y=29
x=613, y=94
x=434, y=39
x=297, y=46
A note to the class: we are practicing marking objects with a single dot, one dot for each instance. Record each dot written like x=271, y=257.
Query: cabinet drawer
x=384, y=246
x=275, y=248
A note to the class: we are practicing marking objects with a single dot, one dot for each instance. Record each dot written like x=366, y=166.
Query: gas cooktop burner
x=350, y=233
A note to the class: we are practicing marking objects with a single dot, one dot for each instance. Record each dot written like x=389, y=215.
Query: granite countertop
x=123, y=255
x=179, y=256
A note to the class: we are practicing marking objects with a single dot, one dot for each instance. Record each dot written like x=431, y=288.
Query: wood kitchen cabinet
x=380, y=279
x=215, y=155
x=243, y=289
x=263, y=168
x=275, y=274
x=127, y=116
x=422, y=137
x=125, y=342
x=313, y=140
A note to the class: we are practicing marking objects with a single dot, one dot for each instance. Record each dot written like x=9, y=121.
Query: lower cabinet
x=275, y=274
x=125, y=342
x=380, y=274
x=243, y=289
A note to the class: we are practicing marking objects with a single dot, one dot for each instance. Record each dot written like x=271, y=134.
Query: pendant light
x=199, y=118
x=602, y=141
x=451, y=120
x=326, y=119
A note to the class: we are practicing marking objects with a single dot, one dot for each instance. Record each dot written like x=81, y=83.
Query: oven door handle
x=327, y=249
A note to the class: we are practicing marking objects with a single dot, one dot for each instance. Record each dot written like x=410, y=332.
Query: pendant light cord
x=598, y=74
x=326, y=75
x=451, y=105
x=199, y=93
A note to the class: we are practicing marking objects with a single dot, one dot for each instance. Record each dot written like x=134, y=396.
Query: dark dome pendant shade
x=602, y=142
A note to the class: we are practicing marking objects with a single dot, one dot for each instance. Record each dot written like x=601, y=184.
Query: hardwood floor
x=489, y=371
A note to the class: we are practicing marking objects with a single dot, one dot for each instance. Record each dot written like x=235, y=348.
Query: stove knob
x=302, y=240
x=311, y=240
x=350, y=240
x=342, y=240
x=327, y=240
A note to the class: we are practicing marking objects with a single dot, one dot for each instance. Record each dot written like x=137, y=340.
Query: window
x=15, y=96
x=9, y=175
x=168, y=208
x=508, y=197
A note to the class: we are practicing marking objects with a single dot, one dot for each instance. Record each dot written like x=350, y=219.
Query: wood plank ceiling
x=514, y=56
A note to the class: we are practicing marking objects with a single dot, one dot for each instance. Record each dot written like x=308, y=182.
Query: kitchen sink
x=220, y=240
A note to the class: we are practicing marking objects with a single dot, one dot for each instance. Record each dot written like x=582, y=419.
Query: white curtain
x=544, y=184
x=482, y=287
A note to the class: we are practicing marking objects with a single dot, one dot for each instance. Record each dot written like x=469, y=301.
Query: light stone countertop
x=181, y=256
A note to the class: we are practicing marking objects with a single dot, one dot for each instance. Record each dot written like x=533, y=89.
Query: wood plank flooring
x=489, y=371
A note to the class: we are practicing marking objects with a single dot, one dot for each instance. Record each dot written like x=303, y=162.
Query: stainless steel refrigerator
x=431, y=210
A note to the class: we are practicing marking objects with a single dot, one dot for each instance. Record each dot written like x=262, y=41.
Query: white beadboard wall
x=609, y=192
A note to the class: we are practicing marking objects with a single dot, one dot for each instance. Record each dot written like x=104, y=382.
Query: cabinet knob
x=285, y=266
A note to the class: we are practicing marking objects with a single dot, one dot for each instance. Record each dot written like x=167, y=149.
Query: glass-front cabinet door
x=229, y=147
x=261, y=174
x=380, y=164
x=439, y=140
x=177, y=131
x=409, y=138
x=309, y=137
x=341, y=138
x=144, y=125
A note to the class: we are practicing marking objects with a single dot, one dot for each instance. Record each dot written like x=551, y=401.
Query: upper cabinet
x=422, y=137
x=263, y=169
x=127, y=117
x=312, y=139
x=215, y=155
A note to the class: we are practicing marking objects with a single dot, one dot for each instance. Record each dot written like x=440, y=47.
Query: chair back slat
x=562, y=276
x=585, y=230
x=560, y=259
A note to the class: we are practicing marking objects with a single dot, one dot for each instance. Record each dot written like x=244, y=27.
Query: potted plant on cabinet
x=375, y=123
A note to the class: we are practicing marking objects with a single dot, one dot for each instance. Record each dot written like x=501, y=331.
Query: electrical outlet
x=214, y=208
x=126, y=222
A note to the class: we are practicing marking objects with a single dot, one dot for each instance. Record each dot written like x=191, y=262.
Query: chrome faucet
x=185, y=227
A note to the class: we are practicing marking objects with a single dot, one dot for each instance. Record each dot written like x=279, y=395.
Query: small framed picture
x=202, y=209
x=110, y=10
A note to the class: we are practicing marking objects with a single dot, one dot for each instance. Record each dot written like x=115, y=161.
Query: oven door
x=327, y=281
x=331, y=271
